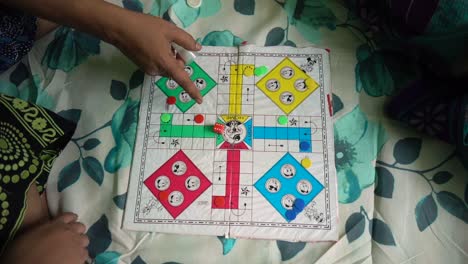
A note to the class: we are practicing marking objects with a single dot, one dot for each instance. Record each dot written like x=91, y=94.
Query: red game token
x=163, y=196
x=219, y=201
x=171, y=100
x=199, y=119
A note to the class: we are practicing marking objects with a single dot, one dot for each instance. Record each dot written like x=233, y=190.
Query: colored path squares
x=235, y=86
x=286, y=182
x=184, y=131
x=231, y=197
x=177, y=183
x=237, y=132
x=287, y=85
x=202, y=81
x=286, y=133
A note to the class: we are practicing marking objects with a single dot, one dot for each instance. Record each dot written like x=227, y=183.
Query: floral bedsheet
x=402, y=196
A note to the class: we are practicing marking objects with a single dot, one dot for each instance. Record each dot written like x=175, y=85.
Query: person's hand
x=147, y=41
x=62, y=240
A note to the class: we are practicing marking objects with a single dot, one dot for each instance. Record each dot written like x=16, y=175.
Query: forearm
x=96, y=17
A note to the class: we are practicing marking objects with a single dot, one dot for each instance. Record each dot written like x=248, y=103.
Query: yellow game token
x=248, y=71
x=306, y=163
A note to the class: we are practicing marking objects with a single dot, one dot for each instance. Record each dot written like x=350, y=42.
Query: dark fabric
x=428, y=43
x=17, y=34
x=31, y=138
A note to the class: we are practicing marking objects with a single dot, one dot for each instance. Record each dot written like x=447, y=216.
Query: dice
x=218, y=128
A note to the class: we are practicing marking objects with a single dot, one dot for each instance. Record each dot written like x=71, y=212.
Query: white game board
x=269, y=175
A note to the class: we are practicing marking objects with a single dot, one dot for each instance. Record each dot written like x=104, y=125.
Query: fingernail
x=198, y=46
x=199, y=100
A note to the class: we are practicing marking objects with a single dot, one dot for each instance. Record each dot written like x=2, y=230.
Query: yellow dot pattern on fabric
x=32, y=168
x=6, y=179
x=15, y=179
x=24, y=174
x=23, y=159
x=3, y=144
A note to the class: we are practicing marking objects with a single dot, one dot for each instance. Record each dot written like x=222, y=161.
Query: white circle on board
x=200, y=84
x=184, y=97
x=288, y=171
x=288, y=201
x=162, y=183
x=273, y=185
x=272, y=85
x=176, y=198
x=300, y=85
x=179, y=168
x=287, y=98
x=171, y=84
x=192, y=183
x=304, y=187
x=188, y=70
x=287, y=72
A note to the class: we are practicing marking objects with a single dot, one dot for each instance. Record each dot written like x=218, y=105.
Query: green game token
x=259, y=71
x=282, y=120
x=166, y=118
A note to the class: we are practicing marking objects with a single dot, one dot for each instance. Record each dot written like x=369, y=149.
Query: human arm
x=144, y=39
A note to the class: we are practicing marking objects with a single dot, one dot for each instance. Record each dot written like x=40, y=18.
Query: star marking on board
x=175, y=142
x=293, y=122
x=224, y=78
x=245, y=191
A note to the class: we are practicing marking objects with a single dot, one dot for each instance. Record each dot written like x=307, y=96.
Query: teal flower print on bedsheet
x=308, y=16
x=187, y=15
x=69, y=49
x=220, y=38
x=27, y=87
x=383, y=72
x=123, y=126
x=124, y=123
x=357, y=143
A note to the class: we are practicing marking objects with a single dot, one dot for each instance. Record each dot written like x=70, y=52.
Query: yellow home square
x=287, y=85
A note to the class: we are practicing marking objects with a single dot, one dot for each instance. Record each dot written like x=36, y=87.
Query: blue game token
x=304, y=145
x=299, y=205
x=290, y=215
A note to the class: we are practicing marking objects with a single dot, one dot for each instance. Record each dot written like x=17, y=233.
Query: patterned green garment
x=31, y=137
